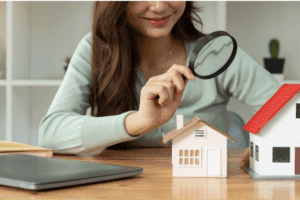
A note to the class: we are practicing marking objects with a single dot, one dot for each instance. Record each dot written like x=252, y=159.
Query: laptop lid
x=38, y=173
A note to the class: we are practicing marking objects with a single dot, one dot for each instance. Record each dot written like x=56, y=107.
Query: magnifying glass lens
x=213, y=55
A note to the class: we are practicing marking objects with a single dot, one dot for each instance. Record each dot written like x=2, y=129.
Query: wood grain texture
x=157, y=182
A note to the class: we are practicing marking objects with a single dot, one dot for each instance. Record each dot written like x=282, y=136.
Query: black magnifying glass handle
x=184, y=78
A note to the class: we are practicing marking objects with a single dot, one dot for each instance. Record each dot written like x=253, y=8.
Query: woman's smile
x=159, y=22
x=154, y=19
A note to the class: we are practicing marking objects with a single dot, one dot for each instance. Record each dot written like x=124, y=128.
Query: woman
x=136, y=51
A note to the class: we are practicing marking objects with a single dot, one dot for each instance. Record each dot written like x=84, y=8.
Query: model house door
x=297, y=160
x=214, y=162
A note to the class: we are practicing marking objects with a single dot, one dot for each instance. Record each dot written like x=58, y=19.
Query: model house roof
x=189, y=127
x=271, y=107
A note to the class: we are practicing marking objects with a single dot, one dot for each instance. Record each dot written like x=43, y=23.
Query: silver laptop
x=39, y=173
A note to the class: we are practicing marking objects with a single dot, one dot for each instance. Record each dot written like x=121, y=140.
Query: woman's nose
x=158, y=6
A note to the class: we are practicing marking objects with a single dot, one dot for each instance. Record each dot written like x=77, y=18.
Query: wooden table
x=157, y=182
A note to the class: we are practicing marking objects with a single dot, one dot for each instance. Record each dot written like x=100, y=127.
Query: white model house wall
x=281, y=131
x=188, y=141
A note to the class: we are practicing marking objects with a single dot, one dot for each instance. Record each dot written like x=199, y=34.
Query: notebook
x=39, y=173
x=9, y=147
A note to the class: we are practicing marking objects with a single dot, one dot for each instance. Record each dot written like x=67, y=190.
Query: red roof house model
x=271, y=107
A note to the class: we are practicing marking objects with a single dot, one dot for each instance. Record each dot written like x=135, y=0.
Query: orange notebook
x=8, y=147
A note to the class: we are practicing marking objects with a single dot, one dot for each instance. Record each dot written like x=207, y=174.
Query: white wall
x=254, y=23
x=58, y=26
x=2, y=37
x=213, y=16
x=208, y=16
x=2, y=67
x=2, y=19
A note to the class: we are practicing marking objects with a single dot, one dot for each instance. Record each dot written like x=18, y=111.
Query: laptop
x=39, y=173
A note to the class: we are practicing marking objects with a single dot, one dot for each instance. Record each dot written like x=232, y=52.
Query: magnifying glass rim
x=205, y=40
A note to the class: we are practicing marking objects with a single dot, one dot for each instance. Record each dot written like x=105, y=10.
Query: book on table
x=9, y=147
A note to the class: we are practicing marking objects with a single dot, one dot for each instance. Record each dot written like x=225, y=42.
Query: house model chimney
x=179, y=119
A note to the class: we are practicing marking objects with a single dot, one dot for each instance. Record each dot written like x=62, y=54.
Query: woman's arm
x=248, y=81
x=66, y=128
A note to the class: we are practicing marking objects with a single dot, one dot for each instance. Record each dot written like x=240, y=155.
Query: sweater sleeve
x=66, y=128
x=248, y=81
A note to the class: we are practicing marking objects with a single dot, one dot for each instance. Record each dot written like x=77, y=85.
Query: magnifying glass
x=212, y=55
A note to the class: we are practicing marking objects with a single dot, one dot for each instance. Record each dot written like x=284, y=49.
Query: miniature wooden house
x=274, y=136
x=198, y=149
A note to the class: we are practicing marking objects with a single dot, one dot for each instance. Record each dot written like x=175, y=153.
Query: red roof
x=271, y=107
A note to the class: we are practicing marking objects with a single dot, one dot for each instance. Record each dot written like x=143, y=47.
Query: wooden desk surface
x=157, y=182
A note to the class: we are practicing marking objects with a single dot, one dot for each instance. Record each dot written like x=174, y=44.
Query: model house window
x=256, y=153
x=281, y=154
x=297, y=110
x=251, y=149
x=190, y=157
x=200, y=133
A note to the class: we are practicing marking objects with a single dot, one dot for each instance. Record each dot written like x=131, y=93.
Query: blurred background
x=254, y=24
x=37, y=39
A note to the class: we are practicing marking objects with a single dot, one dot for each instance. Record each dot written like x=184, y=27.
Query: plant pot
x=274, y=65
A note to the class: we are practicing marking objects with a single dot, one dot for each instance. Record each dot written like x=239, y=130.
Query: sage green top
x=67, y=129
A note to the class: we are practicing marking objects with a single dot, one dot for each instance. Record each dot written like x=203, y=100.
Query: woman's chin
x=157, y=34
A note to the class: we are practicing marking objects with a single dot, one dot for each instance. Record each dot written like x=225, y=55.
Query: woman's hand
x=245, y=159
x=169, y=87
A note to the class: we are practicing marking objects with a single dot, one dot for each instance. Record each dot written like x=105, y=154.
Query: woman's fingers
x=167, y=86
x=176, y=72
x=183, y=70
x=163, y=89
x=178, y=82
x=174, y=75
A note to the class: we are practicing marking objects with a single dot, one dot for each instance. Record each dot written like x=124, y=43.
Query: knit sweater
x=66, y=128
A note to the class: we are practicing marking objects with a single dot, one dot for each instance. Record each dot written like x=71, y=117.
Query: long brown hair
x=115, y=57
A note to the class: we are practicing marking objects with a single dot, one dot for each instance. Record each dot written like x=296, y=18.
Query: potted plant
x=274, y=65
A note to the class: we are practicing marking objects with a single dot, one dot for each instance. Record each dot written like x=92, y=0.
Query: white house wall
x=256, y=141
x=283, y=130
x=188, y=141
x=254, y=164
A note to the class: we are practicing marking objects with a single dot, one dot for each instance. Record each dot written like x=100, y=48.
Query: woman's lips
x=159, y=22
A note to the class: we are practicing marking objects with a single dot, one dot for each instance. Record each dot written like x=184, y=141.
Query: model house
x=198, y=149
x=275, y=136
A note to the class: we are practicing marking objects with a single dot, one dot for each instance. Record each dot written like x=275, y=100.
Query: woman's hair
x=115, y=56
